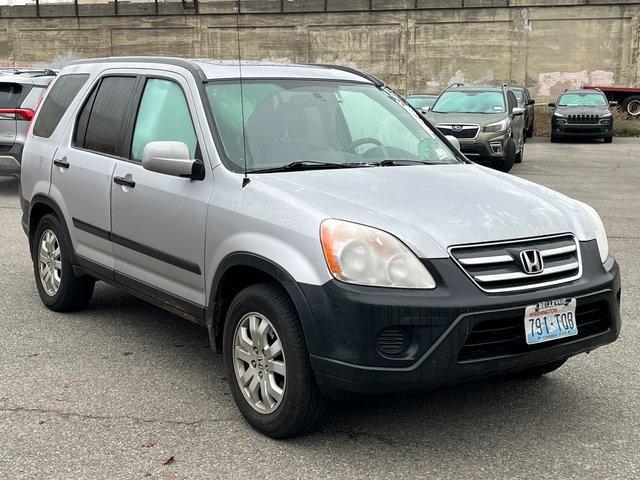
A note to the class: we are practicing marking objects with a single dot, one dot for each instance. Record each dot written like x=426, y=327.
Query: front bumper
x=486, y=146
x=349, y=320
x=590, y=130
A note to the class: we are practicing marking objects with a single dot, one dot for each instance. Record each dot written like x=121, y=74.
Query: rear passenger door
x=84, y=165
x=159, y=220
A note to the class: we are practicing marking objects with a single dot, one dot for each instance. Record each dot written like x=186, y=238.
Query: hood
x=431, y=207
x=582, y=110
x=481, y=119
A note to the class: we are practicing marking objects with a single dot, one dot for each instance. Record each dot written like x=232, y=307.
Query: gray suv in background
x=327, y=236
x=20, y=92
x=485, y=119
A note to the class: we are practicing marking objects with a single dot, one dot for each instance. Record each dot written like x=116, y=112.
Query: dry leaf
x=168, y=460
x=171, y=476
x=32, y=355
x=149, y=443
x=126, y=353
x=67, y=384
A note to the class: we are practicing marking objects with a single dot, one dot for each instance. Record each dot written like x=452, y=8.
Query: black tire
x=540, y=370
x=302, y=406
x=520, y=155
x=554, y=139
x=529, y=132
x=74, y=293
x=608, y=139
x=506, y=163
x=626, y=107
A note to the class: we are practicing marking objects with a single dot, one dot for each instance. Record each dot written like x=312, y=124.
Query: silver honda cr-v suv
x=326, y=235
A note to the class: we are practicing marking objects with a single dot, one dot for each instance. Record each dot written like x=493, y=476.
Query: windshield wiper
x=391, y=163
x=304, y=165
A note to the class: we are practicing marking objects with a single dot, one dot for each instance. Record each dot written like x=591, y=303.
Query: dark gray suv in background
x=582, y=113
x=20, y=94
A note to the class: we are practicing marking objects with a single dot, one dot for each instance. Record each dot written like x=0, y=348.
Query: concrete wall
x=547, y=45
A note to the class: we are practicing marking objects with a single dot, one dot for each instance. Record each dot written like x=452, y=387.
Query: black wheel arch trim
x=267, y=266
x=42, y=199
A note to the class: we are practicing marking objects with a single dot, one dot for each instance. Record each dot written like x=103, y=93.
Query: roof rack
x=376, y=81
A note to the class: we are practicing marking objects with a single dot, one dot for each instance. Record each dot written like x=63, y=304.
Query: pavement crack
x=87, y=416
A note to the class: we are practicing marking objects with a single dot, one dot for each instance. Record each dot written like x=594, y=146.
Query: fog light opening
x=496, y=148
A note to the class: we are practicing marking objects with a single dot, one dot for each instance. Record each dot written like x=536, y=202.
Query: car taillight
x=15, y=113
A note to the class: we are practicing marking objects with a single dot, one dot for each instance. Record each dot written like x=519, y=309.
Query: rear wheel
x=529, y=131
x=608, y=139
x=554, y=138
x=631, y=105
x=267, y=363
x=58, y=286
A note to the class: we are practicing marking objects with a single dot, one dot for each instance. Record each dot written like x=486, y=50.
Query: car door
x=84, y=165
x=159, y=220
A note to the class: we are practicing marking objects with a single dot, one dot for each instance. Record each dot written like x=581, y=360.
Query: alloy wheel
x=259, y=362
x=50, y=262
x=633, y=107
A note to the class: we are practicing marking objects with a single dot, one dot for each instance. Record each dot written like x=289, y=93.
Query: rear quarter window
x=10, y=94
x=62, y=93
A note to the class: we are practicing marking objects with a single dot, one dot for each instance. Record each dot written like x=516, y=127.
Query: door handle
x=62, y=162
x=125, y=182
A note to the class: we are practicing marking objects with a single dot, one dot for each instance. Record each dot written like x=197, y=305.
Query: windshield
x=583, y=100
x=421, y=101
x=331, y=122
x=470, y=101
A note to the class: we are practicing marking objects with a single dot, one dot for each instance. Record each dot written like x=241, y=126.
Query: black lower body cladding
x=377, y=340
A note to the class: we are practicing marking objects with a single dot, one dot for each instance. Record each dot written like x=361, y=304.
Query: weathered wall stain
x=548, y=48
x=548, y=82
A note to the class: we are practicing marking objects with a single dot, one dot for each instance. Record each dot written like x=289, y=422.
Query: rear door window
x=103, y=114
x=62, y=93
x=163, y=116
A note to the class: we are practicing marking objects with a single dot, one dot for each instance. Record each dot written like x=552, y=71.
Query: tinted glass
x=104, y=126
x=583, y=100
x=62, y=93
x=312, y=120
x=10, y=95
x=472, y=101
x=520, y=96
x=163, y=116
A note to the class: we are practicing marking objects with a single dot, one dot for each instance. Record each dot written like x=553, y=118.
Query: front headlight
x=601, y=234
x=606, y=115
x=367, y=256
x=500, y=126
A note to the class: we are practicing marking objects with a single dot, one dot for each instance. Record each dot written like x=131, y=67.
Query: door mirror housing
x=424, y=109
x=517, y=111
x=613, y=103
x=531, y=102
x=552, y=105
x=453, y=141
x=170, y=158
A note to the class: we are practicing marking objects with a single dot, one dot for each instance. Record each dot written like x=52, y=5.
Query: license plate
x=550, y=320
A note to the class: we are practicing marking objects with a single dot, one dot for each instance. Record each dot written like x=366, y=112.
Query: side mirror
x=552, y=105
x=517, y=111
x=170, y=158
x=613, y=103
x=531, y=102
x=425, y=109
x=453, y=141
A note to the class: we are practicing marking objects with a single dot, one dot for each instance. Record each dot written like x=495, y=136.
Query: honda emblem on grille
x=456, y=128
x=531, y=261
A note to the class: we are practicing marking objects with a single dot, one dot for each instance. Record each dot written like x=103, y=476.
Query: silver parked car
x=20, y=92
x=328, y=237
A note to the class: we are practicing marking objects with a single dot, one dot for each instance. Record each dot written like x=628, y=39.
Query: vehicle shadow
x=502, y=410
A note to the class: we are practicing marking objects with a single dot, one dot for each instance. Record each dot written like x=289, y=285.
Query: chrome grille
x=499, y=267
x=458, y=130
x=584, y=119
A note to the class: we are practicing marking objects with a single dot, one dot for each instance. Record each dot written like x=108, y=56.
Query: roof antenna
x=245, y=179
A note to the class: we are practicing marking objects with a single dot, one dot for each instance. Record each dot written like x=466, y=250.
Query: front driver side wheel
x=267, y=363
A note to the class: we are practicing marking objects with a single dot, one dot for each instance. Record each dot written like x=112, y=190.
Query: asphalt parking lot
x=126, y=390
